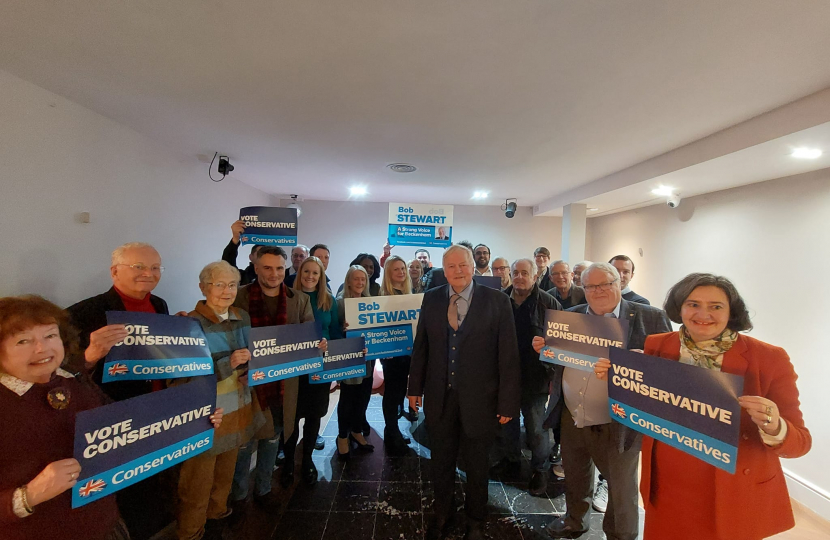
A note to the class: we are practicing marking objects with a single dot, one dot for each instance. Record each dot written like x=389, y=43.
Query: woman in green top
x=312, y=399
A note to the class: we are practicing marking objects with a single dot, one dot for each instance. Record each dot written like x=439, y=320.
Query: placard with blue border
x=420, y=225
x=125, y=442
x=269, y=226
x=388, y=323
x=282, y=352
x=693, y=409
x=344, y=359
x=157, y=347
x=578, y=340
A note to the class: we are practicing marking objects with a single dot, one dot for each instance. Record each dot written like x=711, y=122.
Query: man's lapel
x=627, y=313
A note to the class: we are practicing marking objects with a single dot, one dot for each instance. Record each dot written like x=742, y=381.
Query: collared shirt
x=20, y=387
x=626, y=290
x=586, y=396
x=463, y=303
x=487, y=272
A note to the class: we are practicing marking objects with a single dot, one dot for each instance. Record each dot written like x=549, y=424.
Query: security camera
x=673, y=201
x=225, y=166
x=509, y=208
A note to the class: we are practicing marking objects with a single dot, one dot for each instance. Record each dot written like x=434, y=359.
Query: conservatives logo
x=549, y=353
x=93, y=486
x=118, y=369
x=617, y=409
x=258, y=375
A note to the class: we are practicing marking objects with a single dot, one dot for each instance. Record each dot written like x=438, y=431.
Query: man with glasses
x=501, y=269
x=481, y=254
x=135, y=271
x=564, y=290
x=589, y=437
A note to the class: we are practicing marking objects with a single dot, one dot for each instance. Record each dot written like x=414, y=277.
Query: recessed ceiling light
x=478, y=195
x=806, y=153
x=663, y=191
x=358, y=191
x=402, y=167
x=593, y=209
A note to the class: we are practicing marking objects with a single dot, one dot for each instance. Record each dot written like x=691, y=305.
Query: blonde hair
x=210, y=271
x=118, y=253
x=324, y=298
x=347, y=292
x=386, y=288
x=416, y=286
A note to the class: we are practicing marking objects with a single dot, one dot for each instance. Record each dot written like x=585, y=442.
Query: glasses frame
x=599, y=287
x=141, y=267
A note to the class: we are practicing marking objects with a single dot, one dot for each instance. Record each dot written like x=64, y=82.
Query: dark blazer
x=546, y=283
x=88, y=316
x=576, y=296
x=229, y=255
x=435, y=278
x=643, y=321
x=488, y=382
x=631, y=296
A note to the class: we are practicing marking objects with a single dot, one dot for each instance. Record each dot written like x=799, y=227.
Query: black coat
x=488, y=382
x=88, y=316
x=229, y=255
x=631, y=296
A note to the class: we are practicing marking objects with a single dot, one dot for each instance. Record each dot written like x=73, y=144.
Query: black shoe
x=269, y=501
x=366, y=430
x=214, y=529
x=309, y=473
x=287, y=475
x=538, y=483
x=363, y=448
x=238, y=513
x=556, y=455
x=344, y=446
x=320, y=444
x=475, y=530
x=558, y=529
x=395, y=443
x=411, y=415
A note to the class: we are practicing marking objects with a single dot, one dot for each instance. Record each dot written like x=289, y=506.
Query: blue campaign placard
x=282, y=352
x=269, y=226
x=693, y=409
x=125, y=442
x=577, y=340
x=420, y=225
x=494, y=282
x=343, y=360
x=386, y=341
x=157, y=347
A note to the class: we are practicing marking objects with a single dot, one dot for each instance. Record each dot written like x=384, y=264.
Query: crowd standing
x=474, y=373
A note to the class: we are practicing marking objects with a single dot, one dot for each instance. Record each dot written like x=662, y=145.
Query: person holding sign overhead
x=589, y=437
x=753, y=503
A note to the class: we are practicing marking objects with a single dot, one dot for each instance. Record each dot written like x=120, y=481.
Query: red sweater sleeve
x=784, y=393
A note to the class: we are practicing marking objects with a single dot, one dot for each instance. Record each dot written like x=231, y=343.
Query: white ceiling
x=524, y=99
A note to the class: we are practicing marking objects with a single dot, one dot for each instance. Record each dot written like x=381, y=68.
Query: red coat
x=753, y=502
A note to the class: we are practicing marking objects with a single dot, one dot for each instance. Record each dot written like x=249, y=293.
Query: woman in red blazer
x=687, y=498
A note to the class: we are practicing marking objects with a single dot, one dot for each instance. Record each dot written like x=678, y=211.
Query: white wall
x=349, y=228
x=59, y=159
x=771, y=240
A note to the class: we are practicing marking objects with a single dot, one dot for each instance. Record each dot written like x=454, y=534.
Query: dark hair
x=738, y=314
x=543, y=250
x=423, y=250
x=271, y=250
x=362, y=257
x=622, y=258
x=315, y=247
x=20, y=313
x=257, y=247
x=480, y=245
x=467, y=244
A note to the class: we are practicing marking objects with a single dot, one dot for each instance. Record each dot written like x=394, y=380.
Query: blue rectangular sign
x=125, y=442
x=692, y=409
x=269, y=226
x=494, y=282
x=578, y=340
x=386, y=341
x=157, y=347
x=282, y=352
x=420, y=225
x=420, y=236
x=343, y=360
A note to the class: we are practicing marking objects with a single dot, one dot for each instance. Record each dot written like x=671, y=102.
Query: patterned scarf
x=267, y=394
x=706, y=354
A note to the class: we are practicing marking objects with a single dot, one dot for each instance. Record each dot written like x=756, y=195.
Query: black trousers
x=312, y=404
x=446, y=434
x=350, y=409
x=395, y=380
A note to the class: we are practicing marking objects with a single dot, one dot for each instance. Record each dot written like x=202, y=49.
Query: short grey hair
x=468, y=255
x=118, y=253
x=301, y=246
x=605, y=267
x=493, y=262
x=560, y=261
x=527, y=260
x=217, y=268
x=583, y=264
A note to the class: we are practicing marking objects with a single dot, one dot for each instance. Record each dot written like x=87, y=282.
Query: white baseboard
x=808, y=494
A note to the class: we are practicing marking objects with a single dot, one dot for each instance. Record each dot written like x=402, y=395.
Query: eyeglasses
x=599, y=287
x=500, y=268
x=222, y=285
x=563, y=274
x=157, y=269
x=477, y=253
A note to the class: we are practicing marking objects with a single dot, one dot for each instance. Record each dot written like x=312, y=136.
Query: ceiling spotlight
x=479, y=195
x=663, y=191
x=806, y=153
x=358, y=191
x=509, y=207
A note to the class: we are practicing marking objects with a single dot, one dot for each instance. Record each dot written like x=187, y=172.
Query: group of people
x=474, y=369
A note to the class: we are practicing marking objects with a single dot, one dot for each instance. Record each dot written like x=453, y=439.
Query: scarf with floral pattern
x=706, y=354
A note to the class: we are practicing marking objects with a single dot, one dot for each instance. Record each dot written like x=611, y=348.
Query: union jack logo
x=258, y=375
x=118, y=369
x=549, y=353
x=618, y=410
x=243, y=238
x=93, y=486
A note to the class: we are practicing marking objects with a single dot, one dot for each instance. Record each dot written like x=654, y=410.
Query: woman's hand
x=56, y=478
x=239, y=357
x=763, y=412
x=324, y=345
x=180, y=314
x=601, y=368
x=538, y=343
x=216, y=417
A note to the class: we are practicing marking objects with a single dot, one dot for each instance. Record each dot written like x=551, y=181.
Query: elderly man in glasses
x=589, y=437
x=135, y=271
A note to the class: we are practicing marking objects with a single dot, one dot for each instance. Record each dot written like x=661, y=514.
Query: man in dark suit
x=465, y=364
x=625, y=266
x=580, y=401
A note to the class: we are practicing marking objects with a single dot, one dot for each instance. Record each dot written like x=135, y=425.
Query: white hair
x=118, y=253
x=468, y=255
x=583, y=264
x=560, y=261
x=303, y=247
x=215, y=269
x=605, y=267
x=527, y=260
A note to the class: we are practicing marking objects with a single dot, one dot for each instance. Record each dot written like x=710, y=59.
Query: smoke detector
x=402, y=167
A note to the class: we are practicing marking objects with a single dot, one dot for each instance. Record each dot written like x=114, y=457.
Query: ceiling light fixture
x=806, y=153
x=479, y=195
x=402, y=167
x=593, y=209
x=358, y=191
x=663, y=191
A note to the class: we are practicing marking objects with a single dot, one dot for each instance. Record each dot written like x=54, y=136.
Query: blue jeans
x=266, y=458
